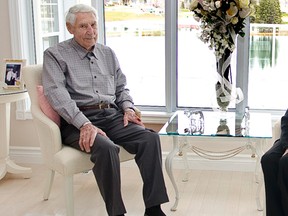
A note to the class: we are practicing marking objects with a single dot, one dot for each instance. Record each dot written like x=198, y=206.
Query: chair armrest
x=137, y=112
x=276, y=131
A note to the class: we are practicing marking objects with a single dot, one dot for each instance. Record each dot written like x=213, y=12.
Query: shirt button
x=95, y=77
x=92, y=62
x=97, y=91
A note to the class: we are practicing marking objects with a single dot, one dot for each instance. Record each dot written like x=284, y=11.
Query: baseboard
x=26, y=155
x=241, y=162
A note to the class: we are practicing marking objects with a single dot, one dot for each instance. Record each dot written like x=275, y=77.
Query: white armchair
x=276, y=132
x=57, y=157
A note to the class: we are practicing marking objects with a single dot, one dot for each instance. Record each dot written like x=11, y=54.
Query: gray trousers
x=142, y=142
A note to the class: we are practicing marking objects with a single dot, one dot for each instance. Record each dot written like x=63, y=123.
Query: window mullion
x=99, y=5
x=171, y=54
x=243, y=66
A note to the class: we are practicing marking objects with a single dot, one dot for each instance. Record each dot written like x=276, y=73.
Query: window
x=268, y=75
x=268, y=48
x=136, y=32
x=47, y=18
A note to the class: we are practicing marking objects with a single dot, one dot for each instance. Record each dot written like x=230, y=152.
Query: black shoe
x=154, y=211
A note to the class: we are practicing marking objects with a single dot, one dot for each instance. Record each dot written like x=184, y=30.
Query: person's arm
x=53, y=79
x=284, y=130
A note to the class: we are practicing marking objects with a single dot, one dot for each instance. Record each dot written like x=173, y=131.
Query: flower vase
x=223, y=104
x=223, y=86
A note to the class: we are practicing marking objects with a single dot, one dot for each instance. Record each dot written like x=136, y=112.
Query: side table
x=6, y=164
x=256, y=141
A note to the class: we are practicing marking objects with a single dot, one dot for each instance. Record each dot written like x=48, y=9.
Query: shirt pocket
x=106, y=84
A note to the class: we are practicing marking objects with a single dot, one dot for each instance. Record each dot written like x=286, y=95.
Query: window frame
x=61, y=34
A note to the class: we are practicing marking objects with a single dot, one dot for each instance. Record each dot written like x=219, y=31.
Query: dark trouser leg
x=283, y=182
x=149, y=161
x=105, y=156
x=270, y=167
x=145, y=144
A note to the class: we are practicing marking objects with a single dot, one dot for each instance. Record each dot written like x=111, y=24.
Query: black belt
x=97, y=106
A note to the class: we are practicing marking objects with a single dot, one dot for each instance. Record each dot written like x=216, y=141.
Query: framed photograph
x=13, y=73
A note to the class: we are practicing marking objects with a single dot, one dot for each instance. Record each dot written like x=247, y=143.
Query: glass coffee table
x=187, y=129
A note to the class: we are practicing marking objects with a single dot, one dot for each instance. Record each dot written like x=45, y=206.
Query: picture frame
x=13, y=73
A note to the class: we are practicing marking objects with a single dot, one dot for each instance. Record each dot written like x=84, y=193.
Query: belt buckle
x=104, y=106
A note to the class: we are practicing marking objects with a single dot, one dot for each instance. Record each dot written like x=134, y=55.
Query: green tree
x=268, y=11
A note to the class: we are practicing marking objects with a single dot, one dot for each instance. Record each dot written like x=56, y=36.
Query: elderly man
x=84, y=83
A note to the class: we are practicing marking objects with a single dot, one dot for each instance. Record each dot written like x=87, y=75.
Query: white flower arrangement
x=221, y=21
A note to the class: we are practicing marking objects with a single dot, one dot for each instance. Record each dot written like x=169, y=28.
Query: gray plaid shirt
x=74, y=77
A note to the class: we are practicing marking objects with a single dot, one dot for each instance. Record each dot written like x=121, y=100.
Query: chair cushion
x=46, y=107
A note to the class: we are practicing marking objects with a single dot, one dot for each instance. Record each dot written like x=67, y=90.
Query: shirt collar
x=81, y=51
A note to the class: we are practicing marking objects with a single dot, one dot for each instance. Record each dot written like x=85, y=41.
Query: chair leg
x=48, y=184
x=69, y=197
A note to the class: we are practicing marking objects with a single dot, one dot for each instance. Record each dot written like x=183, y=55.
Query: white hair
x=79, y=8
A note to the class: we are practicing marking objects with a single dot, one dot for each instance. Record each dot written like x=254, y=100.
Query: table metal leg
x=169, y=170
x=183, y=148
x=185, y=158
x=259, y=174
